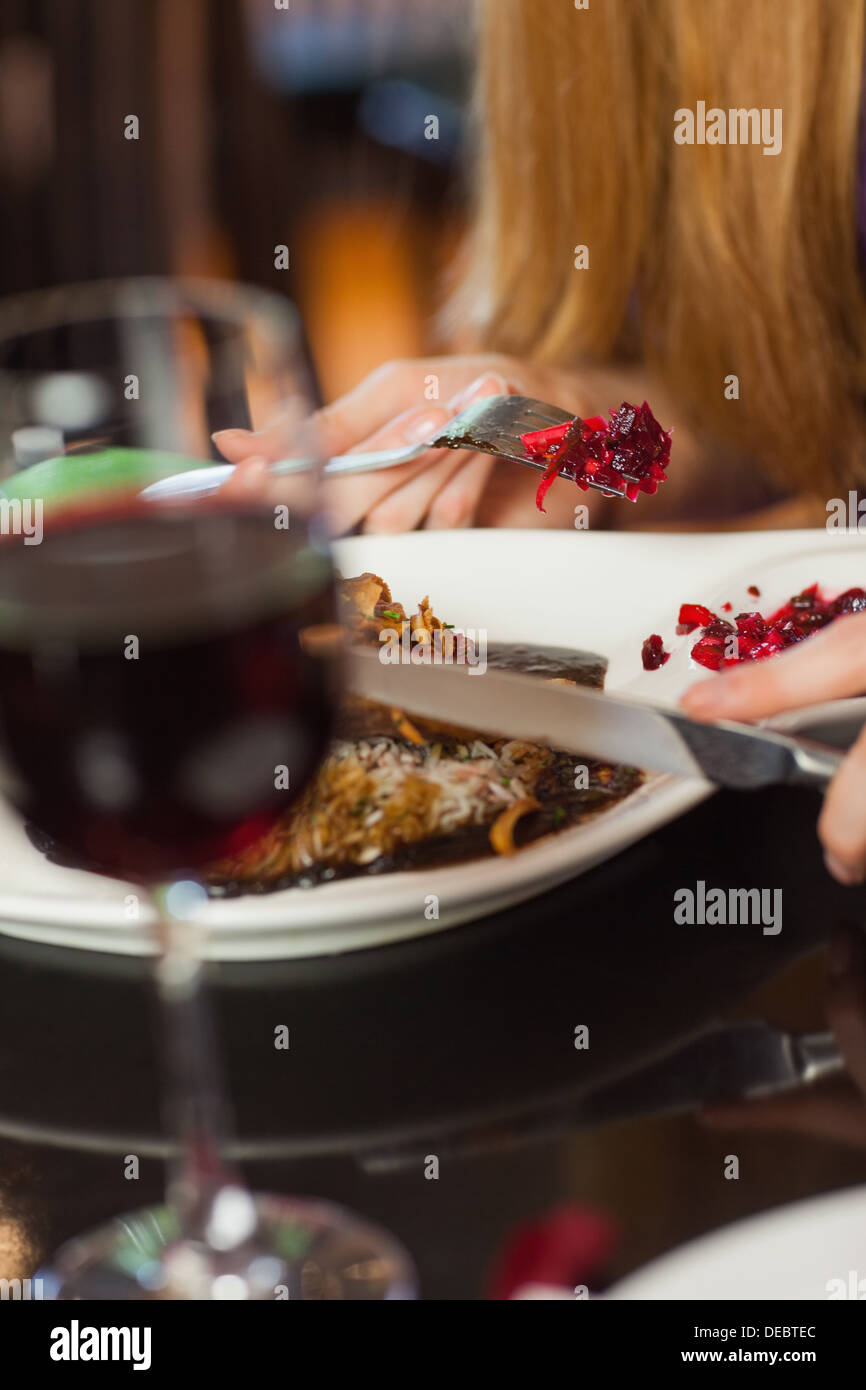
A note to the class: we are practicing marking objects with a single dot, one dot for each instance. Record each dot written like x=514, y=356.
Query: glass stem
x=196, y=1111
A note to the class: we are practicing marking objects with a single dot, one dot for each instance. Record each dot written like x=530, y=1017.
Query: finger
x=411, y=427
x=487, y=384
x=392, y=389
x=351, y=497
x=842, y=824
x=287, y=433
x=364, y=420
x=385, y=393
x=249, y=478
x=238, y=445
x=253, y=480
x=835, y=1113
x=405, y=508
x=828, y=666
x=846, y=1005
x=348, y=499
x=457, y=502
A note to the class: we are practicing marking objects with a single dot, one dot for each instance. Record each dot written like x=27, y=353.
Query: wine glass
x=166, y=686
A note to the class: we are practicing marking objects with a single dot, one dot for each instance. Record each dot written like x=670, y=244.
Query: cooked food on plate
x=395, y=791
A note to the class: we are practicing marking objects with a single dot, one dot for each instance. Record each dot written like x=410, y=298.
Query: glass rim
x=234, y=301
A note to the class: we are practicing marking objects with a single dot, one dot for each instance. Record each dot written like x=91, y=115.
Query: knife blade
x=740, y=1061
x=592, y=723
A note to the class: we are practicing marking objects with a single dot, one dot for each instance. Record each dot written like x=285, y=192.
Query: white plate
x=814, y=1249
x=601, y=592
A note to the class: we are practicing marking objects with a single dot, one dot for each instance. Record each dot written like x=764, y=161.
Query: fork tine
x=500, y=421
x=495, y=425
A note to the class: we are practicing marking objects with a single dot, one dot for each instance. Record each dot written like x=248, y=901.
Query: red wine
x=159, y=706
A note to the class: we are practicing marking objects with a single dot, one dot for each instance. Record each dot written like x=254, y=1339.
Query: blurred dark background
x=257, y=127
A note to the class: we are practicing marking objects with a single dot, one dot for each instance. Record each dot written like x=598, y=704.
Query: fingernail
x=489, y=384
x=427, y=427
x=839, y=955
x=230, y=434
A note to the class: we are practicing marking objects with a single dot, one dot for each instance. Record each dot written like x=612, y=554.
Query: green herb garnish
x=558, y=817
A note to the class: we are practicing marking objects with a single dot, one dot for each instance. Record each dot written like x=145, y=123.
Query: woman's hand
x=831, y=665
x=403, y=403
x=834, y=1111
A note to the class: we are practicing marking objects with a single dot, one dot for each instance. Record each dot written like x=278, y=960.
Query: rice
x=373, y=795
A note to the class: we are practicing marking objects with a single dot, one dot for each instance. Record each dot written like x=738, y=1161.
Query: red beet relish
x=653, y=653
x=625, y=455
x=752, y=637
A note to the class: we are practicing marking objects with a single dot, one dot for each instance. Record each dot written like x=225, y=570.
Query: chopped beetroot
x=772, y=644
x=727, y=608
x=555, y=453
x=653, y=653
x=538, y=442
x=624, y=456
x=752, y=624
x=756, y=636
x=641, y=448
x=694, y=615
x=852, y=601
x=709, y=652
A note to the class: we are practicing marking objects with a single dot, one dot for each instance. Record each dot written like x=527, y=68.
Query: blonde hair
x=704, y=260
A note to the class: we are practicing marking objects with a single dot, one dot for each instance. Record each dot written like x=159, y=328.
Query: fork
x=489, y=426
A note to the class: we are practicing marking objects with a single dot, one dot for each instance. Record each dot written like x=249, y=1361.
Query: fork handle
x=344, y=464
x=382, y=458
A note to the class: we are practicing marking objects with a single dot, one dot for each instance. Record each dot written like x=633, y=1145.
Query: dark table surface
x=409, y=1039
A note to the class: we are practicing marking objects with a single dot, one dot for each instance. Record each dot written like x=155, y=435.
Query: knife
x=595, y=724
x=740, y=1061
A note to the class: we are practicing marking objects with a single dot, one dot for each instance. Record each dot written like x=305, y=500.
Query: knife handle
x=819, y=1057
x=813, y=764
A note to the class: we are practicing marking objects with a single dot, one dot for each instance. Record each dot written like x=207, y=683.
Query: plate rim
x=541, y=865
